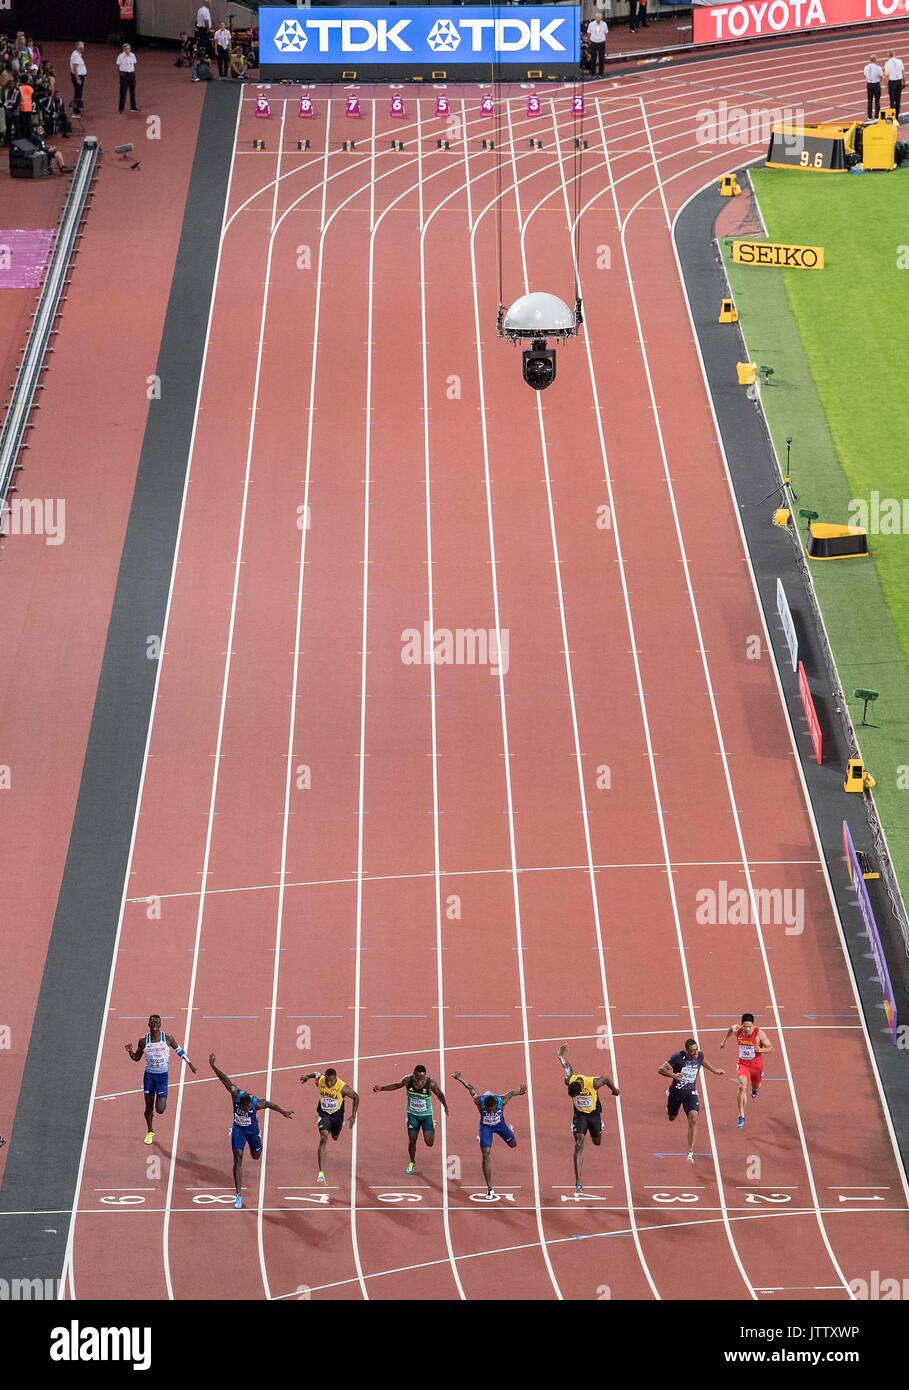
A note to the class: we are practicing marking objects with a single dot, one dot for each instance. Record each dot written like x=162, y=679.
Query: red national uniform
x=751, y=1063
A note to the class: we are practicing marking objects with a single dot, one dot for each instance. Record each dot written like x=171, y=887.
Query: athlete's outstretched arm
x=309, y=1076
x=510, y=1095
x=349, y=1093
x=440, y=1094
x=273, y=1105
x=225, y=1080
x=564, y=1062
x=471, y=1090
x=184, y=1057
x=729, y=1033
x=716, y=1071
x=605, y=1080
x=392, y=1085
x=140, y=1048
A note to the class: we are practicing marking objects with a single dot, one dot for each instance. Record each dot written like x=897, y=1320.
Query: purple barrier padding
x=874, y=940
x=23, y=256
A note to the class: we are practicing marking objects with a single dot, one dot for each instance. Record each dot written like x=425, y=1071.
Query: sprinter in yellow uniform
x=330, y=1110
x=588, y=1110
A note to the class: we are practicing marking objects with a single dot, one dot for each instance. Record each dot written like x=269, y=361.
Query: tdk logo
x=443, y=37
x=290, y=37
x=348, y=36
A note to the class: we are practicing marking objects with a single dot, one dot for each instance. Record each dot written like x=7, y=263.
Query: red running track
x=366, y=862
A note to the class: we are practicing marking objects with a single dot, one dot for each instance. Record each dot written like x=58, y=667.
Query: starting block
x=728, y=312
x=488, y=144
x=302, y=145
x=729, y=187
x=443, y=144
x=397, y=145
x=580, y=143
x=747, y=373
x=858, y=778
x=258, y=144
x=348, y=146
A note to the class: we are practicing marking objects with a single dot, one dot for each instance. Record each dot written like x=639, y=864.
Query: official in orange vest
x=26, y=109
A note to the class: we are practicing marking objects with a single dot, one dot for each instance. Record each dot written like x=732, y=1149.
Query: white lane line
x=645, y=722
x=593, y=1235
x=67, y=1276
x=471, y=873
x=708, y=683
x=289, y=758
x=436, y=847
x=504, y=722
x=569, y=677
x=222, y=712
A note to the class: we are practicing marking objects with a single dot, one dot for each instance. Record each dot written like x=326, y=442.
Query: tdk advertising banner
x=323, y=42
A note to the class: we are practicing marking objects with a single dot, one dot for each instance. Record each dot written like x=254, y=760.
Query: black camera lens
x=539, y=363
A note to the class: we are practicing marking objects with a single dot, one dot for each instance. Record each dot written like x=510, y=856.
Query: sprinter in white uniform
x=155, y=1047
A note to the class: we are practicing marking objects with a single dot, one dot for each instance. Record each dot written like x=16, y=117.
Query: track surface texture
x=340, y=857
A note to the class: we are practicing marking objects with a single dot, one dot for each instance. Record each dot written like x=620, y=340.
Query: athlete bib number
x=583, y=1103
x=418, y=1105
x=329, y=1104
x=746, y=1053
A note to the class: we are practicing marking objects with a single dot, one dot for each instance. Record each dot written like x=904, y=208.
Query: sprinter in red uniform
x=752, y=1043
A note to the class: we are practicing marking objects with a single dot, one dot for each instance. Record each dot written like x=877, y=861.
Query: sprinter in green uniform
x=420, y=1090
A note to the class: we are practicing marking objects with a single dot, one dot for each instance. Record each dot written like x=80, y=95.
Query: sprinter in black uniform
x=683, y=1068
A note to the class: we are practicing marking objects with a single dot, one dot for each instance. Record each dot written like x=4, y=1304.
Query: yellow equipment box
x=878, y=144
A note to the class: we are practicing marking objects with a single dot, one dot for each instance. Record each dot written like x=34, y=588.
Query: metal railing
x=15, y=423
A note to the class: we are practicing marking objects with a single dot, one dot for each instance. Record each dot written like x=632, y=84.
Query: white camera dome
x=539, y=316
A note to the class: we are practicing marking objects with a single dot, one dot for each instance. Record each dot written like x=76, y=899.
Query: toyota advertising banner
x=433, y=41
x=756, y=19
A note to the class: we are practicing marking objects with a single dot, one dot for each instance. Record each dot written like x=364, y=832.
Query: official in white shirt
x=203, y=27
x=873, y=74
x=222, y=50
x=597, y=30
x=895, y=75
x=126, y=62
x=78, y=73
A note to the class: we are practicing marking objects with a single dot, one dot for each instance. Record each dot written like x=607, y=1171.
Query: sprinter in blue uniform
x=492, y=1121
x=245, y=1128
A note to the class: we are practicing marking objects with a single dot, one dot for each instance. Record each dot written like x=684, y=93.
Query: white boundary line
x=222, y=713
x=806, y=795
x=67, y=1277
x=708, y=684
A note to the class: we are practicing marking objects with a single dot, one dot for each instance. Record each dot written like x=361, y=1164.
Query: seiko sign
x=414, y=36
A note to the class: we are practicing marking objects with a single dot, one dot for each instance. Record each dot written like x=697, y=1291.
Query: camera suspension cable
x=577, y=131
x=496, y=79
